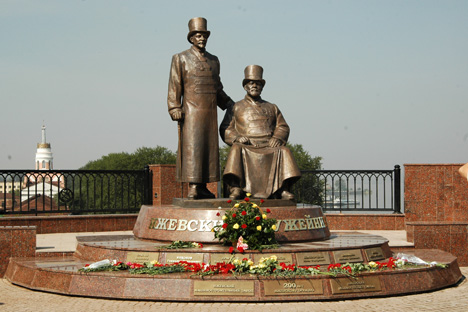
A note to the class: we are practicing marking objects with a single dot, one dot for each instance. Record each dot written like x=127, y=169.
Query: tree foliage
x=106, y=191
x=135, y=161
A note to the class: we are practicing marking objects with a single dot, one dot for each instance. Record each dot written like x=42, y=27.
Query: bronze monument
x=258, y=162
x=195, y=90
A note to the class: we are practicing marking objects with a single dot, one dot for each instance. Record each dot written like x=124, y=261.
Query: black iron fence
x=73, y=191
x=117, y=191
x=351, y=190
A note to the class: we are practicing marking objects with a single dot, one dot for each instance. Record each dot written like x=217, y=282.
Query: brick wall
x=435, y=192
x=16, y=241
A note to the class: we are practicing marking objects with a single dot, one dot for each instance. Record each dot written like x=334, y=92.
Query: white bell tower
x=44, y=159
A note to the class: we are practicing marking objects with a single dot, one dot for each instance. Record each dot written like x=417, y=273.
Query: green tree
x=111, y=191
x=136, y=161
x=309, y=188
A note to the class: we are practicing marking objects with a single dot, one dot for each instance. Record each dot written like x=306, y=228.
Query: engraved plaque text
x=223, y=288
x=343, y=256
x=293, y=287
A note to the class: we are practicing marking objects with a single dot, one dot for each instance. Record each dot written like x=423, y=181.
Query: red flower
x=257, y=218
x=245, y=259
x=240, y=249
x=262, y=201
x=246, y=199
x=231, y=249
x=200, y=245
x=268, y=210
x=229, y=201
x=244, y=226
x=218, y=214
x=243, y=213
x=86, y=265
x=224, y=225
x=234, y=215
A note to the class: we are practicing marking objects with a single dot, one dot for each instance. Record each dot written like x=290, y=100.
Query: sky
x=362, y=84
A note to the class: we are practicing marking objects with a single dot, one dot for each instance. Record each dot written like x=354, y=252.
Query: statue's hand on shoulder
x=177, y=115
x=243, y=140
x=274, y=142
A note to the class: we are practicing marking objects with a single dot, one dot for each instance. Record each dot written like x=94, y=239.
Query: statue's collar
x=200, y=55
x=249, y=99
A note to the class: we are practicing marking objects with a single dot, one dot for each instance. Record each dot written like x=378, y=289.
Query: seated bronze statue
x=258, y=162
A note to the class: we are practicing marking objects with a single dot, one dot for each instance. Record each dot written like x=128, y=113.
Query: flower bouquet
x=247, y=226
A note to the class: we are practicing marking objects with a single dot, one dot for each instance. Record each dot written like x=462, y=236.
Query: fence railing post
x=147, y=186
x=397, y=190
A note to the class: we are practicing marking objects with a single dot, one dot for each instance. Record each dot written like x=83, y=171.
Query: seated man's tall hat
x=253, y=73
x=197, y=25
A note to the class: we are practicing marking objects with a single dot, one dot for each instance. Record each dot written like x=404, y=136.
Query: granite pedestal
x=302, y=242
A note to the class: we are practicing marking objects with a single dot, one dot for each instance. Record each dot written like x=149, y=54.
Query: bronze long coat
x=257, y=168
x=196, y=89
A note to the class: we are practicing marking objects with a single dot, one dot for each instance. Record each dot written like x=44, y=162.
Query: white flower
x=99, y=264
x=399, y=263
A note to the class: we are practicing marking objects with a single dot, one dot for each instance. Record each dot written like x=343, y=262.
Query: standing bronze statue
x=195, y=91
x=258, y=162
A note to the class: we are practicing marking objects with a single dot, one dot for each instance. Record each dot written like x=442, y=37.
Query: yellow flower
x=274, y=258
x=154, y=262
x=259, y=228
x=248, y=194
x=264, y=216
x=236, y=262
x=254, y=205
x=273, y=227
x=224, y=218
x=372, y=264
x=250, y=262
x=212, y=229
x=235, y=226
x=236, y=205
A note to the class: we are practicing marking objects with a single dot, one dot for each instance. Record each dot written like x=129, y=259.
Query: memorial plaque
x=343, y=256
x=141, y=257
x=375, y=254
x=223, y=288
x=225, y=257
x=355, y=285
x=286, y=258
x=313, y=258
x=173, y=257
x=293, y=287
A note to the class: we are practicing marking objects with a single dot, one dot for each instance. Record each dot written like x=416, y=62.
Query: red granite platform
x=304, y=240
x=171, y=223
x=62, y=276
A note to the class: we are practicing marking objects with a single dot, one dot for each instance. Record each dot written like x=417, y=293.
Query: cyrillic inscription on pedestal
x=142, y=257
x=355, y=285
x=189, y=257
x=375, y=254
x=223, y=288
x=293, y=287
x=343, y=256
x=286, y=258
x=225, y=257
x=313, y=258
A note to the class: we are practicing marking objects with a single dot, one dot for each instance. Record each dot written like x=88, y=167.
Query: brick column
x=165, y=187
x=16, y=241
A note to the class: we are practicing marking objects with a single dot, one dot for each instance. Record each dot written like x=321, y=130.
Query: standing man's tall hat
x=197, y=24
x=253, y=72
